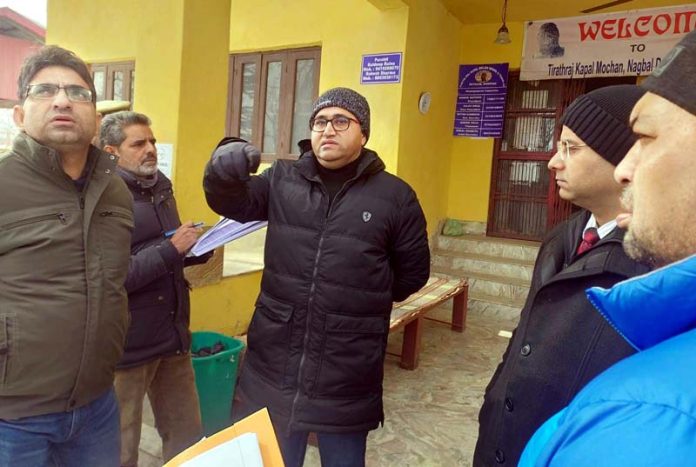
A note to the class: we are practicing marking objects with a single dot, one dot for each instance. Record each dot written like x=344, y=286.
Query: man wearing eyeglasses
x=65, y=223
x=641, y=412
x=561, y=342
x=345, y=239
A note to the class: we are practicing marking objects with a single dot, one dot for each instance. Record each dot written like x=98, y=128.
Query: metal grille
x=520, y=199
x=525, y=95
x=529, y=133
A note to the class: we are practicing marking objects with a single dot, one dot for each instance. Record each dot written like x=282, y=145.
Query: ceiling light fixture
x=503, y=36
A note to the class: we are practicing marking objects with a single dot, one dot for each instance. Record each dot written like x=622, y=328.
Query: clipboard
x=258, y=423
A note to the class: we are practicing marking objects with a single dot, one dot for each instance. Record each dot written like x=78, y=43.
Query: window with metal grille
x=520, y=186
x=270, y=99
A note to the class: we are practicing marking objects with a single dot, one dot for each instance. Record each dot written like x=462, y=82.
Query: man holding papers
x=345, y=239
x=156, y=360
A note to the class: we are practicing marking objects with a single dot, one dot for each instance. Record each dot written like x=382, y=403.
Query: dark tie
x=589, y=238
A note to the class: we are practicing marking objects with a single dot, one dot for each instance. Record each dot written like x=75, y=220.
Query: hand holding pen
x=170, y=233
x=185, y=236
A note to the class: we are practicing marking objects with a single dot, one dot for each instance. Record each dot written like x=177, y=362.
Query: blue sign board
x=480, y=110
x=381, y=68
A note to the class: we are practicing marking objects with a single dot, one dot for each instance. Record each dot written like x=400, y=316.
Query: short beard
x=641, y=250
x=145, y=171
x=656, y=247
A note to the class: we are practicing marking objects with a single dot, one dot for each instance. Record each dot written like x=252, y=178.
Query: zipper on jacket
x=310, y=301
x=113, y=214
x=60, y=216
x=312, y=288
x=82, y=202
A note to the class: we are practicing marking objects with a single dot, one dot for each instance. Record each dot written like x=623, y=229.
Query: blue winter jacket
x=642, y=410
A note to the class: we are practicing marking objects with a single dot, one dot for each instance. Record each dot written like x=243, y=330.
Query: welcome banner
x=614, y=44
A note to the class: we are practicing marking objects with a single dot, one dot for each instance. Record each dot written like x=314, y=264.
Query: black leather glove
x=235, y=161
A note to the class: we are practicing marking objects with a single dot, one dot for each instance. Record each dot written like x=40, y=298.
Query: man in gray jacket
x=65, y=229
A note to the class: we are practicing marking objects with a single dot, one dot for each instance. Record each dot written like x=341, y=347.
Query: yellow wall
x=100, y=32
x=430, y=64
x=202, y=100
x=345, y=31
x=226, y=307
x=470, y=172
x=83, y=25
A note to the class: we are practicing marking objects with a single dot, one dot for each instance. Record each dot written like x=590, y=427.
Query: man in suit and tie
x=561, y=342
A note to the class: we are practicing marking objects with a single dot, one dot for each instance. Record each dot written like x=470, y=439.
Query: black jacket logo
x=366, y=216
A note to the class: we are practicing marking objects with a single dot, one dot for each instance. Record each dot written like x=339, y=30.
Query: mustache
x=627, y=197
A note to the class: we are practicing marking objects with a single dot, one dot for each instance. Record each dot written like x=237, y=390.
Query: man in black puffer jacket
x=156, y=360
x=345, y=239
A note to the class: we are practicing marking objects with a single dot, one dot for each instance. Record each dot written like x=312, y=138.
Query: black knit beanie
x=600, y=119
x=675, y=76
x=346, y=99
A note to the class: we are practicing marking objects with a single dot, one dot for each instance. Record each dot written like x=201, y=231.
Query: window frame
x=285, y=148
x=109, y=68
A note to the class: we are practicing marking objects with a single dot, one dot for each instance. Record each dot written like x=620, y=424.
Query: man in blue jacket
x=345, y=239
x=156, y=359
x=642, y=411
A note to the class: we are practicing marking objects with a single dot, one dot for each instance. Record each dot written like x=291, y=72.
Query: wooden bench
x=410, y=314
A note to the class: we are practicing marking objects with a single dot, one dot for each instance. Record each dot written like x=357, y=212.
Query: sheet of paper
x=242, y=451
x=225, y=231
x=258, y=423
x=165, y=158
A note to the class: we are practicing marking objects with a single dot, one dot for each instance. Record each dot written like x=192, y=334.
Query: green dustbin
x=216, y=377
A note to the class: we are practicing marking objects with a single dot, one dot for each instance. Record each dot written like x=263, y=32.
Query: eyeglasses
x=49, y=90
x=338, y=123
x=567, y=149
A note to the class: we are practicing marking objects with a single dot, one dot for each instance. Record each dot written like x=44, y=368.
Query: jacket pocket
x=6, y=350
x=34, y=228
x=352, y=358
x=113, y=228
x=59, y=216
x=269, y=338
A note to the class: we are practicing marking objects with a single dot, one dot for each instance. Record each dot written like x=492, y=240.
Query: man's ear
x=110, y=149
x=364, y=140
x=18, y=116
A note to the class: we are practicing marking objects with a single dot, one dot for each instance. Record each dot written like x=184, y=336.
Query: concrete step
x=487, y=305
x=482, y=297
x=497, y=310
x=484, y=264
x=456, y=227
x=490, y=284
x=488, y=246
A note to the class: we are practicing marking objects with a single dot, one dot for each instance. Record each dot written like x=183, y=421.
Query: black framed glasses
x=49, y=90
x=338, y=123
x=568, y=149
